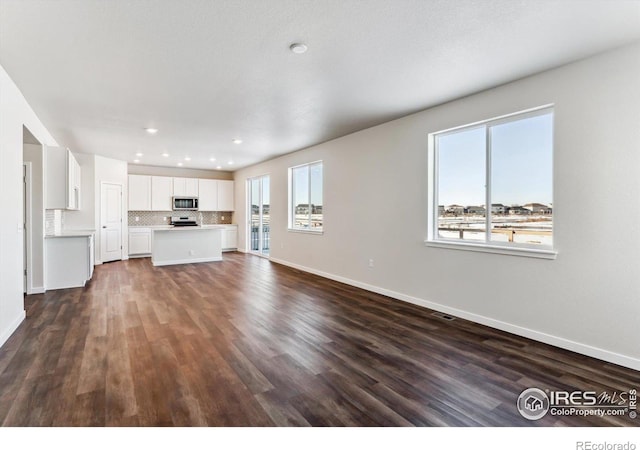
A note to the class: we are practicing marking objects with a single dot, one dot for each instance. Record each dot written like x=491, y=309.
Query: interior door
x=259, y=208
x=111, y=222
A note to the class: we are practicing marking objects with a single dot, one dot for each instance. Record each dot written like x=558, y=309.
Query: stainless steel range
x=183, y=221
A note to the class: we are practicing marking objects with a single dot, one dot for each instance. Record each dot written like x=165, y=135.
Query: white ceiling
x=207, y=71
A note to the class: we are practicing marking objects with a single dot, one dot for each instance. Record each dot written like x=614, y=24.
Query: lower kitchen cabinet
x=69, y=260
x=139, y=242
x=230, y=238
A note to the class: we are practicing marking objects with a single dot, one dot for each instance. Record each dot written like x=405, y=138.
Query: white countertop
x=71, y=233
x=171, y=227
x=198, y=227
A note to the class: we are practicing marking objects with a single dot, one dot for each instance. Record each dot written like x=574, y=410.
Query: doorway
x=110, y=222
x=26, y=227
x=259, y=212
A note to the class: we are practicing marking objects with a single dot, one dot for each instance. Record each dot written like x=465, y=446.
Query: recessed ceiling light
x=179, y=164
x=218, y=167
x=165, y=154
x=138, y=154
x=212, y=159
x=151, y=130
x=136, y=161
x=187, y=158
x=230, y=163
x=298, y=48
x=237, y=141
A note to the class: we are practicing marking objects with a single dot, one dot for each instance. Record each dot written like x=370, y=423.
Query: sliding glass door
x=259, y=236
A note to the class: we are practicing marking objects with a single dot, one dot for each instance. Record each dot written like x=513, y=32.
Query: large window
x=305, y=197
x=492, y=184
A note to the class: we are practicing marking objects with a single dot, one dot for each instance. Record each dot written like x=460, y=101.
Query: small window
x=492, y=184
x=305, y=197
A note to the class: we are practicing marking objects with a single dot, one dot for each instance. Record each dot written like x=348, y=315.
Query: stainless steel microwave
x=185, y=203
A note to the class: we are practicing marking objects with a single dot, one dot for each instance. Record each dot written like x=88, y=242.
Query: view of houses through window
x=505, y=163
x=305, y=202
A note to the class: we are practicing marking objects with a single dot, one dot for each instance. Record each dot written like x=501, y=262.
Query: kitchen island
x=186, y=245
x=69, y=259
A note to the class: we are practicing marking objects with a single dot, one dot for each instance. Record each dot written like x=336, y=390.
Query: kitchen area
x=180, y=220
x=94, y=210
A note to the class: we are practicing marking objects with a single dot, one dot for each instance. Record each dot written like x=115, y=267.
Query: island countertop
x=179, y=228
x=71, y=233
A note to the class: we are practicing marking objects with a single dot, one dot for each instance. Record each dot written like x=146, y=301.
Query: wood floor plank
x=246, y=342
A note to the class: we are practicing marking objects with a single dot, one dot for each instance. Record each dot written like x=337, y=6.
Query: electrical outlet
x=192, y=252
x=137, y=219
x=222, y=217
x=370, y=263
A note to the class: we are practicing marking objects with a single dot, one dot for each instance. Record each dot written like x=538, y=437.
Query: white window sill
x=485, y=248
x=299, y=230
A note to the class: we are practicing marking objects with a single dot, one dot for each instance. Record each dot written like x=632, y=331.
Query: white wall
x=34, y=153
x=139, y=169
x=109, y=170
x=375, y=197
x=15, y=113
x=85, y=217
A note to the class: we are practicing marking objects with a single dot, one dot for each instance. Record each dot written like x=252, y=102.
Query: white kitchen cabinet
x=161, y=193
x=185, y=187
x=229, y=238
x=208, y=195
x=62, y=179
x=139, y=193
x=73, y=182
x=139, y=242
x=225, y=195
x=69, y=260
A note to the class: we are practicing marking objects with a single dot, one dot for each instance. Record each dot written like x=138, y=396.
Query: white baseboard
x=584, y=349
x=38, y=290
x=186, y=261
x=6, y=334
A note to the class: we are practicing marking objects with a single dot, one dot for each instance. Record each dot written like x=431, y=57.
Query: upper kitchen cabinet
x=208, y=195
x=139, y=193
x=161, y=193
x=225, y=195
x=185, y=187
x=62, y=179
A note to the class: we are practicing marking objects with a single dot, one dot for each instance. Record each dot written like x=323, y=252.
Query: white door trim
x=248, y=245
x=26, y=232
x=102, y=184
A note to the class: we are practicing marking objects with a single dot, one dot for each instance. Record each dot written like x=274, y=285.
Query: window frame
x=487, y=246
x=291, y=209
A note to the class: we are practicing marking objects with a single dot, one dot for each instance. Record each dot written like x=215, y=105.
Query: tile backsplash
x=148, y=218
x=52, y=221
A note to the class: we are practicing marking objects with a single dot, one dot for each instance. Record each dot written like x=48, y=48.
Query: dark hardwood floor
x=246, y=342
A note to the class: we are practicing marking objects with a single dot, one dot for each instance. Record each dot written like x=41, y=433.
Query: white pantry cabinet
x=62, y=179
x=225, y=195
x=139, y=241
x=208, y=195
x=139, y=193
x=161, y=193
x=185, y=187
